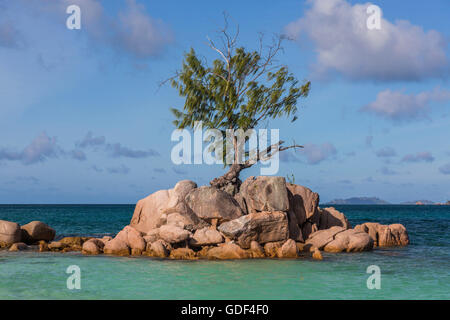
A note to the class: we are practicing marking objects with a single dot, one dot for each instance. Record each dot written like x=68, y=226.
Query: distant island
x=359, y=200
x=375, y=200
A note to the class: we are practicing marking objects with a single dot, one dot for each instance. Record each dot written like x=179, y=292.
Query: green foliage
x=238, y=91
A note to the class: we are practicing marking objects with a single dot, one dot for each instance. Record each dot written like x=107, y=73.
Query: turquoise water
x=419, y=271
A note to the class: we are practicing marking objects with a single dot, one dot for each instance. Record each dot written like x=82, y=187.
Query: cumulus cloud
x=132, y=31
x=418, y=157
x=317, y=153
x=122, y=169
x=400, y=107
x=344, y=44
x=39, y=150
x=445, y=169
x=138, y=33
x=386, y=152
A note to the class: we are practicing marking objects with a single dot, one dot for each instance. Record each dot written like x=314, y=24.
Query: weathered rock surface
x=210, y=203
x=228, y=251
x=116, y=247
x=265, y=193
x=308, y=228
x=330, y=217
x=271, y=249
x=205, y=237
x=132, y=238
x=259, y=226
x=93, y=246
x=159, y=249
x=173, y=234
x=256, y=251
x=9, y=232
x=152, y=211
x=350, y=240
x=303, y=203
x=288, y=250
x=385, y=235
x=182, y=254
x=321, y=238
x=36, y=231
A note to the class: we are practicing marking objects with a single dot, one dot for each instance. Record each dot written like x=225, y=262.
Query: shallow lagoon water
x=419, y=271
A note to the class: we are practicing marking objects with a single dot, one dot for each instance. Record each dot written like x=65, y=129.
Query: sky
x=84, y=117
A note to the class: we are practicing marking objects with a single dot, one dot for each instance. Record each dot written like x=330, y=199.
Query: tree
x=239, y=90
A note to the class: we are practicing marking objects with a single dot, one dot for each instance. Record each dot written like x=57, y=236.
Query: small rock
x=256, y=250
x=36, y=231
x=116, y=247
x=288, y=250
x=182, y=254
x=206, y=236
x=9, y=232
x=317, y=255
x=228, y=251
x=173, y=234
x=19, y=246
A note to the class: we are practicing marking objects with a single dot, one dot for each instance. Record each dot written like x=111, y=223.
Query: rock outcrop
x=385, y=235
x=265, y=218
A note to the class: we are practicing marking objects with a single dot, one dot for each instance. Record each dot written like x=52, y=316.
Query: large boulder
x=265, y=193
x=116, y=247
x=295, y=231
x=308, y=228
x=132, y=237
x=228, y=251
x=206, y=237
x=9, y=232
x=152, y=211
x=36, y=231
x=173, y=234
x=210, y=203
x=259, y=226
x=385, y=235
x=321, y=238
x=303, y=203
x=330, y=217
x=350, y=240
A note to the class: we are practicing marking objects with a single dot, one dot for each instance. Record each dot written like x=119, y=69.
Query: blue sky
x=83, y=119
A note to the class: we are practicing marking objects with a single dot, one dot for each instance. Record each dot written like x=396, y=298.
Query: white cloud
x=317, y=153
x=39, y=150
x=398, y=106
x=344, y=44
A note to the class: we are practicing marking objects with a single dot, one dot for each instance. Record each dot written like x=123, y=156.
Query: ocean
x=418, y=271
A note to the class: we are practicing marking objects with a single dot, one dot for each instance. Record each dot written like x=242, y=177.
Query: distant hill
x=419, y=202
x=359, y=200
